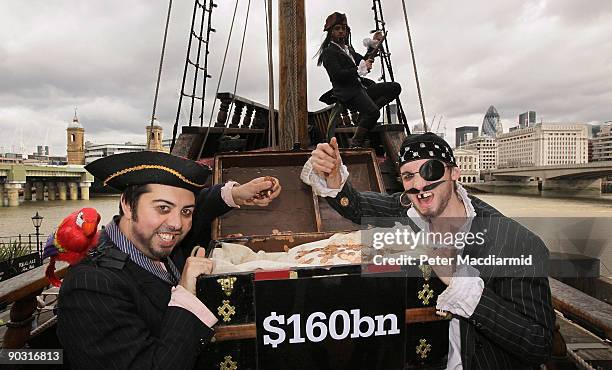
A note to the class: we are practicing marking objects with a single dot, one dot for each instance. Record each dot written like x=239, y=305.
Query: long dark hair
x=326, y=43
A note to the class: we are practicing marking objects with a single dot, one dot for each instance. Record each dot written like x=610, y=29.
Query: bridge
x=591, y=170
x=556, y=181
x=34, y=181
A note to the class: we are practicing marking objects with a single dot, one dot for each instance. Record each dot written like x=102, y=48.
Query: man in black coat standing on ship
x=346, y=69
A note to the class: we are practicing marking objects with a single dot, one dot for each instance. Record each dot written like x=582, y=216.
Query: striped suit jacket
x=114, y=314
x=512, y=326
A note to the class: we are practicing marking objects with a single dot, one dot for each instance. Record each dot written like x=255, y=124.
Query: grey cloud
x=552, y=56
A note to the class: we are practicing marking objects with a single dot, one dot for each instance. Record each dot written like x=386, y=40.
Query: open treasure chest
x=291, y=292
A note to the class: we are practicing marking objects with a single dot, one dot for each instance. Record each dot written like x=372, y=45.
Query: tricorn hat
x=334, y=19
x=140, y=168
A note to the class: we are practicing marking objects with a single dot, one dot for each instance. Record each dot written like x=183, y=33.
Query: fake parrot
x=72, y=240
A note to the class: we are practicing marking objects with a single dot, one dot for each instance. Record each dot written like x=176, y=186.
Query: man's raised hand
x=194, y=267
x=260, y=191
x=326, y=161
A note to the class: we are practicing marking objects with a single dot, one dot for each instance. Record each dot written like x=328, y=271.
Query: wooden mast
x=293, y=109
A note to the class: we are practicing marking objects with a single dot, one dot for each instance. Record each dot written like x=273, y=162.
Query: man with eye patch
x=127, y=305
x=502, y=318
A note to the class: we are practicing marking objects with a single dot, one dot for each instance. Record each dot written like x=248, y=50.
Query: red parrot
x=72, y=240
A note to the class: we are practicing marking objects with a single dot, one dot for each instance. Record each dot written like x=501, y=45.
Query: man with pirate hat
x=346, y=69
x=502, y=315
x=127, y=305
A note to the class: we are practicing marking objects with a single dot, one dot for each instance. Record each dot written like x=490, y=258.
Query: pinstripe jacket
x=512, y=325
x=115, y=314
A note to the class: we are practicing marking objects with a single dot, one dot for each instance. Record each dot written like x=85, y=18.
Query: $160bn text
x=318, y=326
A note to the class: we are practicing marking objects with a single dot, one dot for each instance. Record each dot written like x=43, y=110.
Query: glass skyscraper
x=491, y=122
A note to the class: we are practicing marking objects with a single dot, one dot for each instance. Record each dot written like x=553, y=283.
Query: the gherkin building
x=491, y=122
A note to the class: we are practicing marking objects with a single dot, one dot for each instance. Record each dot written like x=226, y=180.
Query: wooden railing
x=246, y=113
x=241, y=124
x=21, y=291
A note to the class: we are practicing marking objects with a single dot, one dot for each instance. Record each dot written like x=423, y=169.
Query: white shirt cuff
x=318, y=182
x=362, y=70
x=370, y=43
x=226, y=194
x=180, y=297
x=462, y=294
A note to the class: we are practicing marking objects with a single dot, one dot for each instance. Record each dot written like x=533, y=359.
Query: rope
x=212, y=111
x=180, y=102
x=272, y=131
x=161, y=62
x=416, y=75
x=292, y=88
x=579, y=361
x=246, y=22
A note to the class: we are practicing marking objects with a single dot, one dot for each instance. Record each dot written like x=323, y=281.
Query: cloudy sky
x=551, y=56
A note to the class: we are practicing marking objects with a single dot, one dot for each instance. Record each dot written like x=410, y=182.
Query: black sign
x=19, y=265
x=333, y=322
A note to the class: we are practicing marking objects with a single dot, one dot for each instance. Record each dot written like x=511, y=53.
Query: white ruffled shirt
x=465, y=288
x=362, y=68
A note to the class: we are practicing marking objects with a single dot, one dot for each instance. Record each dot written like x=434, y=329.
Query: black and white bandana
x=426, y=146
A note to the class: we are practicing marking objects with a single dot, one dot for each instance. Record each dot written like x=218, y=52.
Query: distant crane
x=439, y=120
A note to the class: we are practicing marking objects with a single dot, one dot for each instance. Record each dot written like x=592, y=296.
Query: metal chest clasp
x=423, y=348
x=227, y=284
x=228, y=364
x=426, y=294
x=426, y=270
x=226, y=310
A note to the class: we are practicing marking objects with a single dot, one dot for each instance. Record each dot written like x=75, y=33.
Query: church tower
x=75, y=146
x=154, y=138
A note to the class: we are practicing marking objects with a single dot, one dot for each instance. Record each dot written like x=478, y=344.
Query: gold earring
x=405, y=204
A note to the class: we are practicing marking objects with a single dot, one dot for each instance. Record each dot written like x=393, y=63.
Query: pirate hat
x=425, y=146
x=334, y=19
x=140, y=168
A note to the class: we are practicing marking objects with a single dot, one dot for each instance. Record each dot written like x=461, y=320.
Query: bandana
x=425, y=146
x=334, y=19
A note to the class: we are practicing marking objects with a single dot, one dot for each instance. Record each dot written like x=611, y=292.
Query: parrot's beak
x=89, y=228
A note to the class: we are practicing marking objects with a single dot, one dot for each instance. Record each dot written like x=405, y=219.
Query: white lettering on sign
x=318, y=326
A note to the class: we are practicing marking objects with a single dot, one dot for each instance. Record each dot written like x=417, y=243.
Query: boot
x=358, y=139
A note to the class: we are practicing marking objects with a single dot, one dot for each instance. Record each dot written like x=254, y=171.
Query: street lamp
x=37, y=221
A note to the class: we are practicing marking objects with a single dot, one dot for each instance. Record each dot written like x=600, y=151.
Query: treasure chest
x=347, y=316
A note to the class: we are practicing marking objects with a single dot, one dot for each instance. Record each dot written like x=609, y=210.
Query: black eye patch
x=432, y=170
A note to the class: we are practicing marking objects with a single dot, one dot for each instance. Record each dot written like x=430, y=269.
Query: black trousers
x=369, y=101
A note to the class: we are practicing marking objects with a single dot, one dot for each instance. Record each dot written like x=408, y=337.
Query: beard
x=442, y=196
x=339, y=40
x=148, y=242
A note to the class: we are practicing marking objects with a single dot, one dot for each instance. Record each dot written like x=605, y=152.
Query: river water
x=541, y=215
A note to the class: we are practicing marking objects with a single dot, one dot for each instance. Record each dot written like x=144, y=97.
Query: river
x=539, y=214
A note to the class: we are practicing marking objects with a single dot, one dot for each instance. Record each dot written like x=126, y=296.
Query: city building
x=46, y=159
x=11, y=158
x=392, y=112
x=97, y=151
x=75, y=143
x=527, y=119
x=42, y=150
x=154, y=138
x=602, y=144
x=543, y=144
x=486, y=147
x=491, y=124
x=465, y=133
x=468, y=162
x=418, y=129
